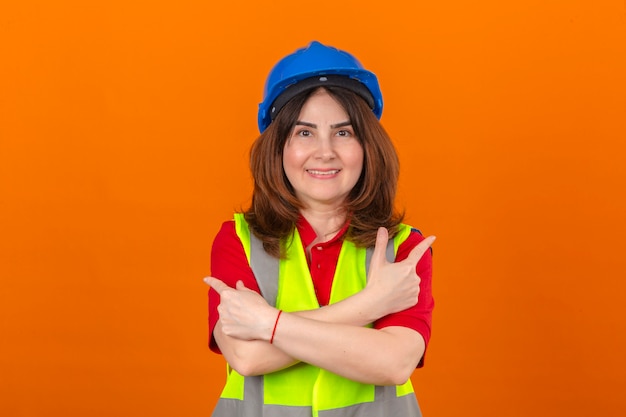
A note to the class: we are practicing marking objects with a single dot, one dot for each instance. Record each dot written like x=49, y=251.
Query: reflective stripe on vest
x=303, y=390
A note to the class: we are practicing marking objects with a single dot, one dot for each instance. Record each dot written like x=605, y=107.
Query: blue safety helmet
x=316, y=65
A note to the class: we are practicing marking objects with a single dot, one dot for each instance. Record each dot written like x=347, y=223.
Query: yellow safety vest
x=303, y=390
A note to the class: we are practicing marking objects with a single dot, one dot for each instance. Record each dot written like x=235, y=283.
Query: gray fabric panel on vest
x=270, y=410
x=389, y=253
x=388, y=406
x=253, y=397
x=252, y=404
x=265, y=270
x=382, y=392
x=227, y=407
x=405, y=406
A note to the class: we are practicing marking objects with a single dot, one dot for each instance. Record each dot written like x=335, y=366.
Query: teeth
x=315, y=172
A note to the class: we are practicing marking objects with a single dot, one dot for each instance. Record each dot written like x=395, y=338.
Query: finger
x=216, y=284
x=240, y=286
x=379, y=256
x=419, y=251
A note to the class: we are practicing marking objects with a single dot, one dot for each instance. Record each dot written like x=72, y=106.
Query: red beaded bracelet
x=275, y=325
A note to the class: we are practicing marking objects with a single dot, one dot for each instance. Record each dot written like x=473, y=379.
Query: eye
x=303, y=132
x=344, y=133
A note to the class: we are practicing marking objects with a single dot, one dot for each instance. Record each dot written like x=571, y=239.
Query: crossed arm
x=331, y=337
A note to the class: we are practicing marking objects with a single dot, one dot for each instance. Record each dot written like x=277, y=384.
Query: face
x=322, y=158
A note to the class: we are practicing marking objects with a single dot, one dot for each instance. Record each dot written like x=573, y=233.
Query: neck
x=325, y=223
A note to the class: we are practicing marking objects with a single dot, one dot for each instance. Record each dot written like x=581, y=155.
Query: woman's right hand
x=394, y=286
x=244, y=314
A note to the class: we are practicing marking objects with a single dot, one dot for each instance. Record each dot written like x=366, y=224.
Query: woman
x=345, y=311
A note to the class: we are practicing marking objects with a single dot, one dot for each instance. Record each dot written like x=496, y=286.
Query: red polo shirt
x=229, y=264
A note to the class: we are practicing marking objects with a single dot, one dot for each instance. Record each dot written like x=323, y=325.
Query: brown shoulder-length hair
x=370, y=205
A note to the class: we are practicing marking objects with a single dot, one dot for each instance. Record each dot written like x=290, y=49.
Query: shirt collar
x=307, y=234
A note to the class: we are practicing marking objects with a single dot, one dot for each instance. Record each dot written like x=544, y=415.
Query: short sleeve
x=418, y=317
x=228, y=264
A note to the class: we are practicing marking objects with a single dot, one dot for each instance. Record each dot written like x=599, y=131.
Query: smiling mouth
x=316, y=172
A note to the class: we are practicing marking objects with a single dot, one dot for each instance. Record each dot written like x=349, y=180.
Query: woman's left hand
x=244, y=314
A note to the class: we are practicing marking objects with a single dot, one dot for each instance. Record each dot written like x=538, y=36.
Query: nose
x=325, y=150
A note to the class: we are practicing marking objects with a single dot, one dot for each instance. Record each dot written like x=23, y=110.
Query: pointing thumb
x=379, y=255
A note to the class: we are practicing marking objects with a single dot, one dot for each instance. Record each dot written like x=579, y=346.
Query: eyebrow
x=314, y=126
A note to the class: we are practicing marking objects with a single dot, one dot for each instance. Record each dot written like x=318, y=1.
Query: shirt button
x=319, y=266
x=319, y=248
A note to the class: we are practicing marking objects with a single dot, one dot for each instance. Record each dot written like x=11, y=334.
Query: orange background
x=124, y=135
